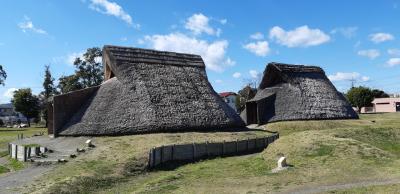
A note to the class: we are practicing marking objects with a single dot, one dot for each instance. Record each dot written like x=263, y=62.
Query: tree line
x=88, y=73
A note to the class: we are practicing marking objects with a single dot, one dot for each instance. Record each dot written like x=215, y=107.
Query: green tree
x=243, y=96
x=69, y=83
x=3, y=75
x=360, y=97
x=89, y=69
x=379, y=94
x=26, y=103
x=49, y=91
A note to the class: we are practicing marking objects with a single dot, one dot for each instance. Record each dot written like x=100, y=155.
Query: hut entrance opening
x=251, y=108
x=397, y=106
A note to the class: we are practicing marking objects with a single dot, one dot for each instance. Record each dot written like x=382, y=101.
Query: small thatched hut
x=144, y=91
x=296, y=92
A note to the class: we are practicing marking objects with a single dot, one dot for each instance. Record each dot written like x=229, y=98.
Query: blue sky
x=349, y=39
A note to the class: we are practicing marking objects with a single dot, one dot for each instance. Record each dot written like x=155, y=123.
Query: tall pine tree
x=49, y=91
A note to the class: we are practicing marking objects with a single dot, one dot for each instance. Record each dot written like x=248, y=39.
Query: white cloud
x=113, y=9
x=70, y=59
x=370, y=53
x=380, y=37
x=27, y=25
x=394, y=52
x=259, y=48
x=223, y=21
x=347, y=32
x=218, y=81
x=213, y=53
x=257, y=36
x=365, y=78
x=8, y=95
x=299, y=37
x=198, y=23
x=254, y=74
x=342, y=76
x=393, y=62
x=237, y=75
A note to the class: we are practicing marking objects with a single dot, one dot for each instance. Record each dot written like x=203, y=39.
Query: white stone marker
x=282, y=162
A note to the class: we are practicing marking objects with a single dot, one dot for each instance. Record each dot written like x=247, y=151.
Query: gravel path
x=10, y=182
x=319, y=189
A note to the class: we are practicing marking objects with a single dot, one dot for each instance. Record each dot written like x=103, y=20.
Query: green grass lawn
x=321, y=152
x=10, y=134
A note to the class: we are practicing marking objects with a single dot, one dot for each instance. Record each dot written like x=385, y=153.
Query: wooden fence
x=23, y=153
x=197, y=151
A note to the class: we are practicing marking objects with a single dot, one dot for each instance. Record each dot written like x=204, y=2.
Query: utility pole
x=353, y=81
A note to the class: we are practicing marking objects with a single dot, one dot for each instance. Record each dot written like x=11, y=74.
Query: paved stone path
x=325, y=188
x=10, y=182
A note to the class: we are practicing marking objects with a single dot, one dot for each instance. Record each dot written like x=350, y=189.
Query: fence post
x=24, y=156
x=247, y=145
x=16, y=151
x=208, y=153
x=154, y=156
x=162, y=154
x=150, y=158
x=223, y=148
x=237, y=146
x=172, y=152
x=194, y=151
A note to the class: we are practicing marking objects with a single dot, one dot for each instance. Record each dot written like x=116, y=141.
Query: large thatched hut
x=296, y=92
x=144, y=91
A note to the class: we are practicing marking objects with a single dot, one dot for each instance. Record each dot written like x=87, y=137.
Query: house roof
x=7, y=106
x=299, y=92
x=383, y=100
x=226, y=94
x=152, y=91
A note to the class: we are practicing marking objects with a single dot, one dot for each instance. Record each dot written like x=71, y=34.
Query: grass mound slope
x=323, y=153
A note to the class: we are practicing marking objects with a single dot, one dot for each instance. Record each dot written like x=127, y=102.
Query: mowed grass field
x=323, y=154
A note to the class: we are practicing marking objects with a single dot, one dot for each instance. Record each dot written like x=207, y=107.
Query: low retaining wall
x=197, y=151
x=23, y=153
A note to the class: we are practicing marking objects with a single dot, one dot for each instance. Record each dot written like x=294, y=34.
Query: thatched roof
x=152, y=91
x=296, y=92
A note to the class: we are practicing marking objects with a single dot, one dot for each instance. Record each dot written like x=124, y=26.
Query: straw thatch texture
x=152, y=91
x=296, y=92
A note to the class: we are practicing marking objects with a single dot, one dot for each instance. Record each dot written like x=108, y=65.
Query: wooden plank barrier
x=196, y=151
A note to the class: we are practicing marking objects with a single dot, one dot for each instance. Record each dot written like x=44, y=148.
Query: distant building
x=229, y=98
x=386, y=105
x=9, y=115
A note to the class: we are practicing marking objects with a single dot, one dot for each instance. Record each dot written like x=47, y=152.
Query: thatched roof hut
x=149, y=91
x=296, y=92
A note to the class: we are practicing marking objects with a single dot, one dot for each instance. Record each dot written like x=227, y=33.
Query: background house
x=386, y=104
x=229, y=98
x=9, y=116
